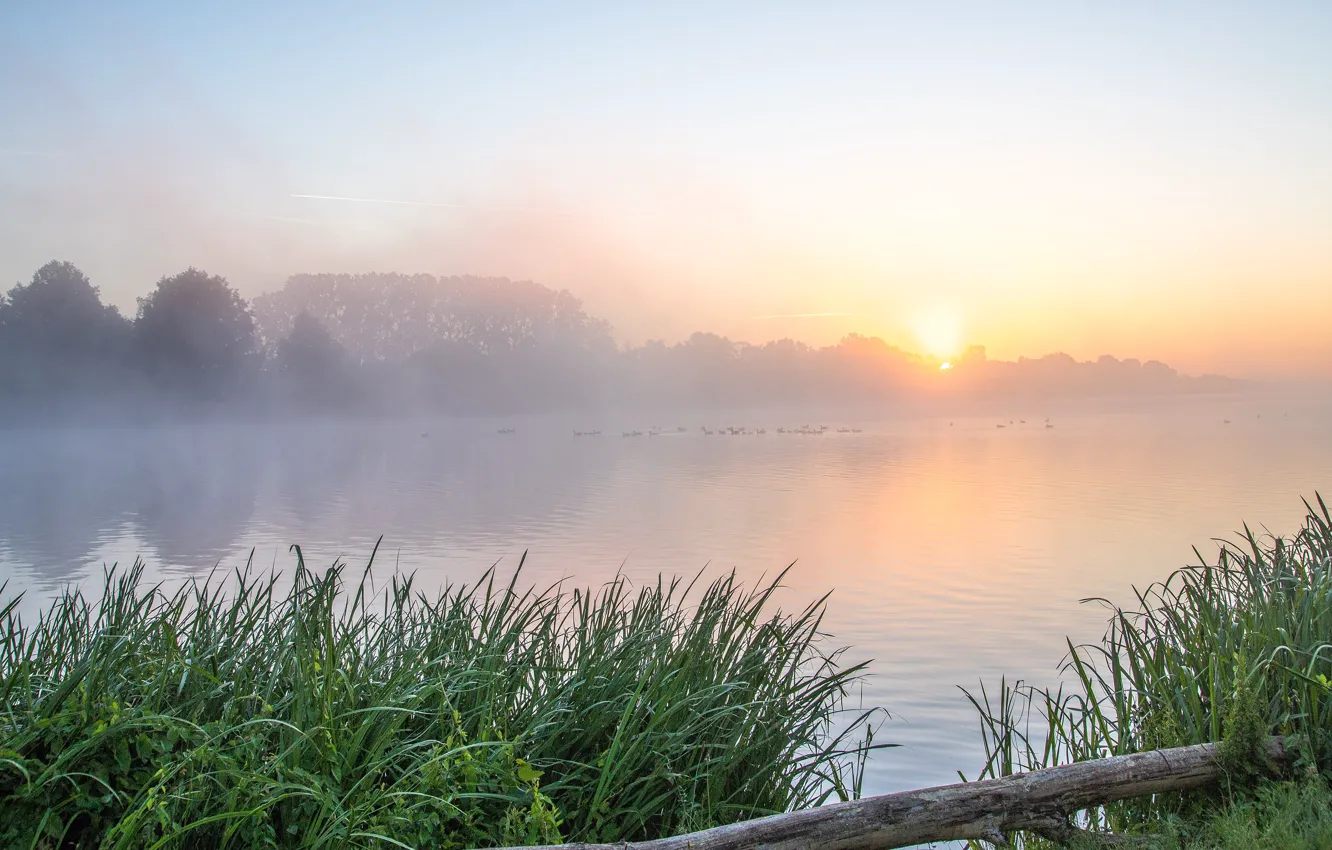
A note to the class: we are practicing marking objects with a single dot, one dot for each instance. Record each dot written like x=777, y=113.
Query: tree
x=313, y=365
x=194, y=334
x=56, y=335
x=393, y=316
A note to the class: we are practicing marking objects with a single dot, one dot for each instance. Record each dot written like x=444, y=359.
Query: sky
x=1149, y=180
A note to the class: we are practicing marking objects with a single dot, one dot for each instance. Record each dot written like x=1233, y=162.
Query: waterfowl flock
x=726, y=431
x=1010, y=422
x=806, y=430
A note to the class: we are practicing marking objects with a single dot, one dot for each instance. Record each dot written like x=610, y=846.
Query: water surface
x=955, y=552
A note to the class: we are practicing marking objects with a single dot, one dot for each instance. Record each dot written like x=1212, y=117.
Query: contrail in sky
x=400, y=203
x=800, y=315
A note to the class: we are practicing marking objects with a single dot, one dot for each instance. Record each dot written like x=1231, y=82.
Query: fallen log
x=1040, y=801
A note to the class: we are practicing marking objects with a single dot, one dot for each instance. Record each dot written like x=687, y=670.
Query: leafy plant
x=1230, y=652
x=331, y=716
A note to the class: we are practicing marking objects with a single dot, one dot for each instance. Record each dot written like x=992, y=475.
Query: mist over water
x=968, y=318
x=954, y=552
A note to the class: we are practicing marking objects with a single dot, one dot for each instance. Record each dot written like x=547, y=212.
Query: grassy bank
x=1232, y=651
x=228, y=713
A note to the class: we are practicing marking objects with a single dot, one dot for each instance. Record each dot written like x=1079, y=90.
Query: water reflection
x=190, y=497
x=352, y=482
x=194, y=491
x=60, y=493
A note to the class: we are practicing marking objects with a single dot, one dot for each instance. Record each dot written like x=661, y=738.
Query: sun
x=939, y=333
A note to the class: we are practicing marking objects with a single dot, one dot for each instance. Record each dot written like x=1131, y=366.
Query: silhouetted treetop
x=60, y=306
x=56, y=334
x=195, y=333
x=418, y=343
x=392, y=316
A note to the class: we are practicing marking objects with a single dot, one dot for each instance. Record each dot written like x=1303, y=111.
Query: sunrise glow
x=982, y=204
x=939, y=333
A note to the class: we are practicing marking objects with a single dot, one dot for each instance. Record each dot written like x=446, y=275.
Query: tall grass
x=230, y=713
x=1228, y=651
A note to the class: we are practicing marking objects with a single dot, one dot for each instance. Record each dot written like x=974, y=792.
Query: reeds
x=1229, y=651
x=330, y=715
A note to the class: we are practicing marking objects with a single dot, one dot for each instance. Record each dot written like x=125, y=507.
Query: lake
x=955, y=550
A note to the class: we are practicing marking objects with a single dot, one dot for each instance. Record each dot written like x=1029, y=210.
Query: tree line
x=463, y=344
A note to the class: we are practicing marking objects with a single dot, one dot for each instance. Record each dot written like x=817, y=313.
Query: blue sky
x=1076, y=176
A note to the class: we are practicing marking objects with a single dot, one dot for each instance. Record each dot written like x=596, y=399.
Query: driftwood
x=1040, y=801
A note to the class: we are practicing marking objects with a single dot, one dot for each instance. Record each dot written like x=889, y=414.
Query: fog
x=1030, y=171
x=167, y=422
x=417, y=344
x=959, y=313
x=929, y=527
x=163, y=427
x=465, y=420
x=190, y=487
